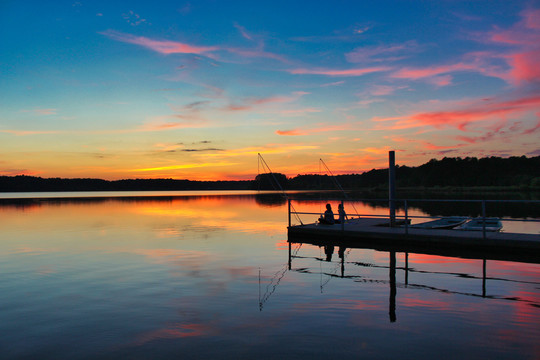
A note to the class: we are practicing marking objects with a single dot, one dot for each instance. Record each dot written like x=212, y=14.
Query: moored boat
x=442, y=223
x=477, y=224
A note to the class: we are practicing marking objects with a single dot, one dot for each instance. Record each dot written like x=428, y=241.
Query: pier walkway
x=376, y=231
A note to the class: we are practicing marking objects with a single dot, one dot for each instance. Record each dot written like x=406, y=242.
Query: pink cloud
x=257, y=53
x=524, y=36
x=429, y=146
x=525, y=66
x=532, y=18
x=161, y=46
x=333, y=72
x=243, y=31
x=419, y=73
x=335, y=83
x=382, y=90
x=250, y=103
x=533, y=129
x=440, y=81
x=461, y=118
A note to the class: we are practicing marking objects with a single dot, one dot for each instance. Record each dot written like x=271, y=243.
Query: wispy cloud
x=477, y=111
x=523, y=40
x=380, y=53
x=169, y=122
x=243, y=31
x=377, y=150
x=293, y=132
x=258, y=52
x=335, y=83
x=383, y=90
x=255, y=103
x=431, y=71
x=168, y=47
x=184, y=166
x=321, y=128
x=266, y=149
x=337, y=72
x=42, y=111
x=534, y=128
x=161, y=46
x=31, y=132
x=134, y=19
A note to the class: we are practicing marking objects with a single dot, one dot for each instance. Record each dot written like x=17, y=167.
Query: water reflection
x=216, y=277
x=329, y=247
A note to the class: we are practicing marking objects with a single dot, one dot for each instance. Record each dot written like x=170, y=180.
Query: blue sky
x=196, y=89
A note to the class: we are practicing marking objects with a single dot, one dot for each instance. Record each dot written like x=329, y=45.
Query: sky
x=196, y=89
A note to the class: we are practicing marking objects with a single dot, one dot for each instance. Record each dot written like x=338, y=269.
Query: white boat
x=442, y=223
x=477, y=224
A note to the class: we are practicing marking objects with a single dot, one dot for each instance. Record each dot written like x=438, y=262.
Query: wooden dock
x=376, y=233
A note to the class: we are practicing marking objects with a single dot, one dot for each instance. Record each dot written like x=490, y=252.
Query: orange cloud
x=268, y=149
x=184, y=166
x=294, y=132
x=31, y=132
x=374, y=150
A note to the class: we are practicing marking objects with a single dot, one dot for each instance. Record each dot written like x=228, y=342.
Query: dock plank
x=374, y=229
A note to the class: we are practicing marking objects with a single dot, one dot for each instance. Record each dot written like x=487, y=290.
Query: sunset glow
x=195, y=90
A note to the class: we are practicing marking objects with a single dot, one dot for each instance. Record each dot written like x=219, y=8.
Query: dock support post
x=392, y=186
x=290, y=257
x=406, y=218
x=484, y=278
x=484, y=219
x=289, y=207
x=342, y=221
x=392, y=307
x=406, y=268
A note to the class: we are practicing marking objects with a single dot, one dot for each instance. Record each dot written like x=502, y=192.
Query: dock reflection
x=394, y=271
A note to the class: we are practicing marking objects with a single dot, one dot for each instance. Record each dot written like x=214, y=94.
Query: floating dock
x=377, y=233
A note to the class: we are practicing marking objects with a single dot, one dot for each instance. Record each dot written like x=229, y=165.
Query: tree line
x=447, y=172
x=514, y=171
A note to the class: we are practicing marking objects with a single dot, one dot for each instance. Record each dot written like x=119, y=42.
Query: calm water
x=208, y=276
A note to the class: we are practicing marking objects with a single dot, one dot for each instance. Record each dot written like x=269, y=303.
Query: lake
x=212, y=275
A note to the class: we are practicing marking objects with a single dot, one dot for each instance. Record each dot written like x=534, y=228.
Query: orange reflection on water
x=174, y=332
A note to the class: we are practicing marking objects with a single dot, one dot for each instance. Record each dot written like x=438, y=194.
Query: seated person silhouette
x=342, y=214
x=328, y=217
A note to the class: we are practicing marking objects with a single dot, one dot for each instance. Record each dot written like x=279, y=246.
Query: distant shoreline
x=491, y=174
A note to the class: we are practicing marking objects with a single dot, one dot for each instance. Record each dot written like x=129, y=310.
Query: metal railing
x=406, y=205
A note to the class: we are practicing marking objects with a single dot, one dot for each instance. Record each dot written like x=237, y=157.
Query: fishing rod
x=334, y=178
x=283, y=193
